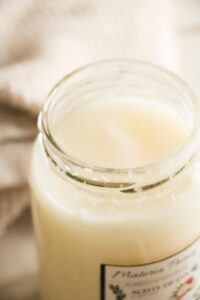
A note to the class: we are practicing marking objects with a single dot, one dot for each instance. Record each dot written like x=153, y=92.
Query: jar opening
x=104, y=77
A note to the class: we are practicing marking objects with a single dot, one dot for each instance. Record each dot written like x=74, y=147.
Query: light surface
x=123, y=133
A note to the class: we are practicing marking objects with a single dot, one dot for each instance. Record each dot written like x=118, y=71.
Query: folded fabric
x=41, y=41
x=17, y=131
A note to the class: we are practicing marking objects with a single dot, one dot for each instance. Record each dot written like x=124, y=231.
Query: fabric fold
x=17, y=133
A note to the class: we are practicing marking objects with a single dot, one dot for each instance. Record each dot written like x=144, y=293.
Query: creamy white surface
x=122, y=133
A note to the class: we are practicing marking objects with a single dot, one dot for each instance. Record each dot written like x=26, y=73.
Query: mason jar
x=117, y=233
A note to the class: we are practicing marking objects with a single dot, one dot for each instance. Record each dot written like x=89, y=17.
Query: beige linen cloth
x=41, y=41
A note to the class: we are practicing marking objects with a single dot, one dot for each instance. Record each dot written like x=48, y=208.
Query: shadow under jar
x=118, y=230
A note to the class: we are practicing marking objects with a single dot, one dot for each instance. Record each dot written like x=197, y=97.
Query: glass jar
x=119, y=234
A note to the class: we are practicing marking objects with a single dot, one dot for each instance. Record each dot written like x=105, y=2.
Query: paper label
x=174, y=278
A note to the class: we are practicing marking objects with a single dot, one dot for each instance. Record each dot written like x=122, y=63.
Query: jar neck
x=142, y=77
x=127, y=182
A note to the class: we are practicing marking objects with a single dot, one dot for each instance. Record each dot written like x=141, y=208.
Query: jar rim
x=190, y=146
